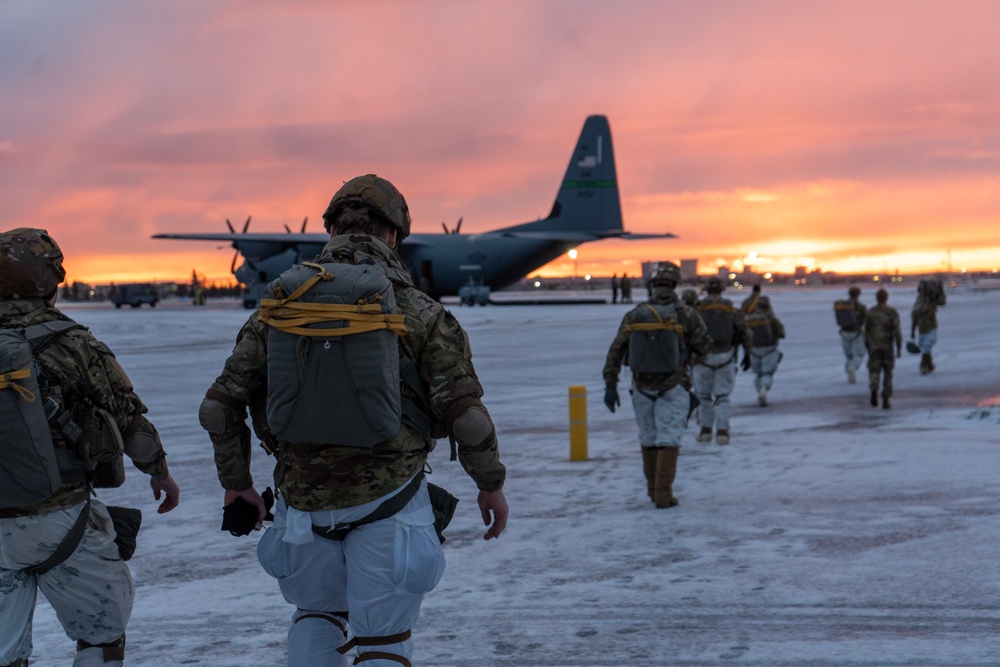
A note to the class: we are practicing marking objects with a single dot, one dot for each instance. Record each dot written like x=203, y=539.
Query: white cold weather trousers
x=764, y=362
x=927, y=340
x=661, y=420
x=714, y=379
x=91, y=592
x=378, y=574
x=853, y=343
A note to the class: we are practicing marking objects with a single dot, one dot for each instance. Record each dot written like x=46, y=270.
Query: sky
x=826, y=534
x=850, y=136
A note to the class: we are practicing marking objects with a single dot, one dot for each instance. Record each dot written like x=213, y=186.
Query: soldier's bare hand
x=495, y=502
x=168, y=486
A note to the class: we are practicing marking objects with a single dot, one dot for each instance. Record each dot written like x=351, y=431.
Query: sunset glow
x=847, y=137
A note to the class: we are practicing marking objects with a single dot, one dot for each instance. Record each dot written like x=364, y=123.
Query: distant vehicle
x=134, y=294
x=587, y=208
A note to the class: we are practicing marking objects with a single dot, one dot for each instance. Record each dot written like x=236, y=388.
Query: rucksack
x=760, y=324
x=718, y=318
x=654, y=343
x=29, y=469
x=333, y=361
x=847, y=313
x=932, y=291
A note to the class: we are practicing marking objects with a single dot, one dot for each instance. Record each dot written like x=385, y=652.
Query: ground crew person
x=715, y=375
x=378, y=573
x=851, y=314
x=659, y=337
x=65, y=545
x=767, y=330
x=626, y=288
x=923, y=318
x=881, y=332
x=614, y=287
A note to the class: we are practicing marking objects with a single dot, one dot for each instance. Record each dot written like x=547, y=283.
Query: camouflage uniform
x=715, y=375
x=764, y=359
x=92, y=591
x=365, y=573
x=882, y=330
x=661, y=401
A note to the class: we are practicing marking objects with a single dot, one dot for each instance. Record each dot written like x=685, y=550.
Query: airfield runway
x=829, y=533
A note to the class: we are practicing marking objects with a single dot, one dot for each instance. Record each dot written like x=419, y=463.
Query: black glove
x=611, y=396
x=745, y=364
x=240, y=516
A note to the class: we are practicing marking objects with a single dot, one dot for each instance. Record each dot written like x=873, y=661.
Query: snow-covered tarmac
x=828, y=533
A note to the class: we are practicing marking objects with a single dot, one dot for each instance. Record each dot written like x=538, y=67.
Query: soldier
x=658, y=337
x=626, y=288
x=923, y=317
x=614, y=287
x=65, y=544
x=851, y=313
x=690, y=297
x=881, y=331
x=354, y=528
x=767, y=330
x=715, y=375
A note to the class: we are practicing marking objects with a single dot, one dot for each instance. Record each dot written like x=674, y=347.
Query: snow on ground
x=828, y=533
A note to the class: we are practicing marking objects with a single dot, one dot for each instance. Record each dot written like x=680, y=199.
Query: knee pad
x=112, y=651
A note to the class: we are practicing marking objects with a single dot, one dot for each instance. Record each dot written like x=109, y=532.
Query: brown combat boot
x=649, y=456
x=925, y=364
x=885, y=402
x=666, y=471
x=930, y=363
x=874, y=398
x=705, y=435
x=722, y=436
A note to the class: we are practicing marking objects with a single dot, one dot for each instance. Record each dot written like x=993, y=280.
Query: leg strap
x=333, y=617
x=112, y=650
x=381, y=655
x=20, y=662
x=374, y=641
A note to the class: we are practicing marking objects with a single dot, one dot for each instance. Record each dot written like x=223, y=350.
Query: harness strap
x=382, y=655
x=375, y=641
x=67, y=546
x=114, y=650
x=716, y=367
x=332, y=617
x=383, y=511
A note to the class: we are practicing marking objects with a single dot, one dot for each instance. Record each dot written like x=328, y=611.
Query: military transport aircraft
x=587, y=208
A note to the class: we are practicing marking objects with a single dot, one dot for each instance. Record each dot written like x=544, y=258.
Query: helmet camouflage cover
x=854, y=291
x=372, y=195
x=30, y=263
x=666, y=273
x=714, y=285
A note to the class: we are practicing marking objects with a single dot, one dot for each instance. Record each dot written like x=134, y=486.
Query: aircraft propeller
x=456, y=230
x=246, y=225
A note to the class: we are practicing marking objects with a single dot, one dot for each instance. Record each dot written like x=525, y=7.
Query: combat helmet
x=667, y=274
x=714, y=285
x=690, y=297
x=855, y=291
x=30, y=264
x=369, y=195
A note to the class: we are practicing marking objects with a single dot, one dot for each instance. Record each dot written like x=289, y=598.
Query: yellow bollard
x=577, y=423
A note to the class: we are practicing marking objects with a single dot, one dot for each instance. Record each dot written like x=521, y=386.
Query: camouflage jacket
x=332, y=477
x=923, y=317
x=741, y=334
x=697, y=343
x=80, y=372
x=882, y=328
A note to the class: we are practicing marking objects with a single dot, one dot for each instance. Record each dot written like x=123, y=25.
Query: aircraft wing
x=581, y=237
x=286, y=239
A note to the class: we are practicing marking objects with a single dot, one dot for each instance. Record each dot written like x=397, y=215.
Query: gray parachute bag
x=847, y=314
x=654, y=342
x=334, y=388
x=29, y=472
x=718, y=318
x=760, y=327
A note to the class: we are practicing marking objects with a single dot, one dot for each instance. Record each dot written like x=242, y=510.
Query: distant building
x=689, y=270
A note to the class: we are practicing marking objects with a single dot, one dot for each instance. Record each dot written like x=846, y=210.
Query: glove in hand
x=240, y=516
x=611, y=398
x=745, y=365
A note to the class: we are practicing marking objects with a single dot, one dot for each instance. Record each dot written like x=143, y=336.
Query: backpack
x=760, y=324
x=718, y=318
x=847, y=313
x=333, y=361
x=29, y=469
x=654, y=342
x=932, y=291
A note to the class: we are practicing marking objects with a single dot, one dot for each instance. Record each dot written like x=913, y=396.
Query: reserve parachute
x=654, y=342
x=332, y=355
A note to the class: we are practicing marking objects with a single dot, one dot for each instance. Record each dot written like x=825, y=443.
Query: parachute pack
x=654, y=343
x=29, y=467
x=847, y=313
x=932, y=291
x=760, y=324
x=333, y=358
x=718, y=318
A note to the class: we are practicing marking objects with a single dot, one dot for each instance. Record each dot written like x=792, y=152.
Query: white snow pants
x=853, y=343
x=927, y=340
x=378, y=575
x=764, y=362
x=661, y=420
x=91, y=592
x=714, y=379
